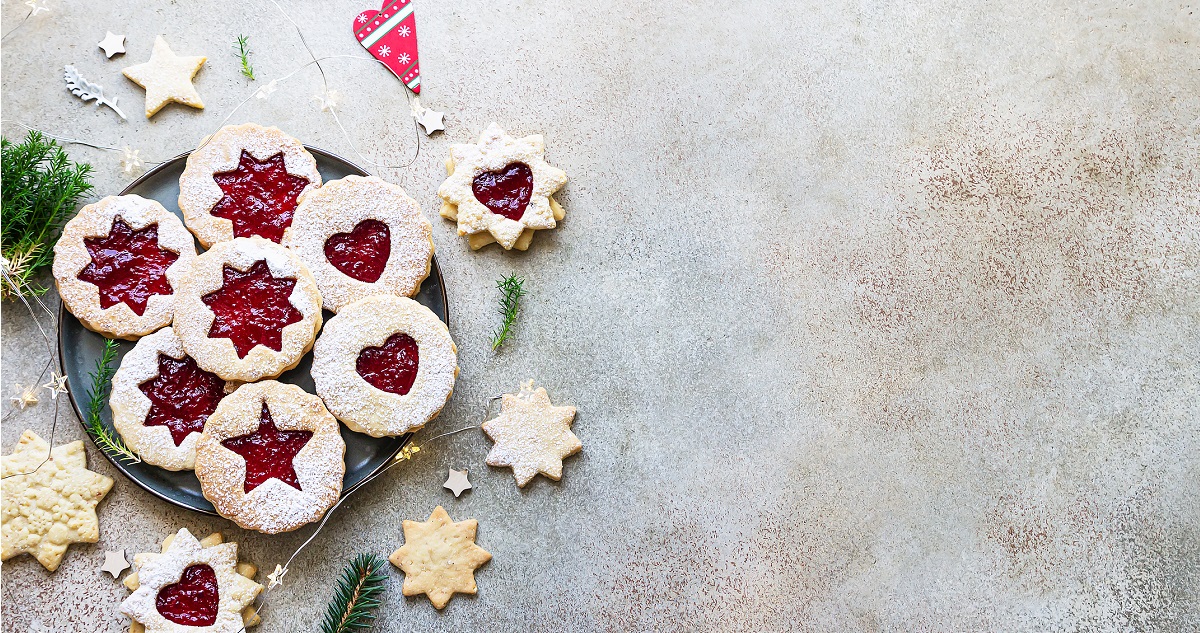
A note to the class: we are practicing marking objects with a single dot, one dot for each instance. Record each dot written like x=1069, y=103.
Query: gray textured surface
x=878, y=317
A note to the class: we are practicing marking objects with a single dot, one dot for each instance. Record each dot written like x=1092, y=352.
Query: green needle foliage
x=244, y=54
x=356, y=597
x=511, y=289
x=41, y=187
x=97, y=397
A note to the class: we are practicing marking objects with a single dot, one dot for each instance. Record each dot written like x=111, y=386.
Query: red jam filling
x=128, y=266
x=192, y=601
x=363, y=252
x=391, y=367
x=269, y=452
x=260, y=197
x=182, y=396
x=505, y=192
x=252, y=308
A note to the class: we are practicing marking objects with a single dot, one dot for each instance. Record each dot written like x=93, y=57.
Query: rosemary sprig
x=511, y=289
x=356, y=597
x=41, y=187
x=244, y=54
x=97, y=397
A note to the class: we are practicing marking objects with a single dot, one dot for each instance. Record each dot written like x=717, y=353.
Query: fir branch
x=356, y=597
x=41, y=188
x=97, y=397
x=244, y=54
x=512, y=288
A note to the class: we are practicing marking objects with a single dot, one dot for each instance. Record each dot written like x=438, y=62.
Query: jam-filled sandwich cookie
x=161, y=400
x=245, y=182
x=361, y=237
x=189, y=586
x=385, y=365
x=501, y=189
x=271, y=458
x=248, y=309
x=119, y=263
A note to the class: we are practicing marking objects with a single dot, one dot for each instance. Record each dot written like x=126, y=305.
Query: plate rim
x=435, y=268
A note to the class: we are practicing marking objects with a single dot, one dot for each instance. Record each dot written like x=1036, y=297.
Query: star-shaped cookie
x=439, y=557
x=167, y=77
x=500, y=189
x=531, y=435
x=47, y=509
x=206, y=580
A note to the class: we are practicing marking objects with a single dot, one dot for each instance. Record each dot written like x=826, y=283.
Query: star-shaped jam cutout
x=260, y=197
x=128, y=266
x=182, y=396
x=269, y=452
x=252, y=308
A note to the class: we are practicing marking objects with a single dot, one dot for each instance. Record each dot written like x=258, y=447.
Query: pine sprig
x=41, y=188
x=244, y=54
x=356, y=597
x=97, y=397
x=512, y=288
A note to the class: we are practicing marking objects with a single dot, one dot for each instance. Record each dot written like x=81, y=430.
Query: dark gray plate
x=79, y=348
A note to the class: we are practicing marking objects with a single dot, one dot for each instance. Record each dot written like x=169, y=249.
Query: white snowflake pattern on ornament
x=404, y=58
x=404, y=31
x=362, y=18
x=385, y=51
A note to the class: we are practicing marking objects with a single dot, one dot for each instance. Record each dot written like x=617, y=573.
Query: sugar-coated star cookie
x=167, y=77
x=439, y=557
x=47, y=508
x=531, y=435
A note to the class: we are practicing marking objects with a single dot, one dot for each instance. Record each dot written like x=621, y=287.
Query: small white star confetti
x=267, y=90
x=26, y=397
x=36, y=6
x=276, y=577
x=328, y=101
x=57, y=385
x=112, y=44
x=131, y=163
x=431, y=120
x=115, y=563
x=457, y=482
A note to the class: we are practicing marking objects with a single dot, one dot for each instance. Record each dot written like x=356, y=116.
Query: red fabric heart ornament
x=390, y=35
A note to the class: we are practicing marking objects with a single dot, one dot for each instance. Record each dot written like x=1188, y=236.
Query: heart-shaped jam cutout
x=392, y=367
x=506, y=191
x=363, y=252
x=269, y=452
x=192, y=601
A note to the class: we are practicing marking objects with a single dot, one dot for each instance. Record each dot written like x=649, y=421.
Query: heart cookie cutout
x=194, y=600
x=362, y=253
x=506, y=191
x=390, y=35
x=391, y=367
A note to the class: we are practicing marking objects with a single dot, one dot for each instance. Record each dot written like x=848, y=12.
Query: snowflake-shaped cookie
x=182, y=569
x=532, y=436
x=439, y=557
x=500, y=189
x=47, y=509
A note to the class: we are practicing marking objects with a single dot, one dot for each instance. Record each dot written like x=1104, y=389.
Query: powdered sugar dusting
x=369, y=323
x=341, y=205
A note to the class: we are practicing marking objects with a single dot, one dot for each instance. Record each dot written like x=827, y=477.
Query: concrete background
x=878, y=316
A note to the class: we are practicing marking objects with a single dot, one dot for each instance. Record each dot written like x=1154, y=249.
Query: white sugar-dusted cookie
x=245, y=181
x=167, y=77
x=248, y=309
x=49, y=500
x=501, y=187
x=531, y=435
x=361, y=237
x=118, y=264
x=271, y=458
x=385, y=365
x=161, y=399
x=190, y=587
x=439, y=557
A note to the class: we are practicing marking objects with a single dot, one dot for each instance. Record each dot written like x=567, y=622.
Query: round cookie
x=361, y=237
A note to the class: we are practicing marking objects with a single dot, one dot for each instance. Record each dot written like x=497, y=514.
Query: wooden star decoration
x=115, y=563
x=167, y=77
x=26, y=396
x=439, y=557
x=456, y=482
x=57, y=385
x=112, y=44
x=531, y=435
x=276, y=577
x=47, y=506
